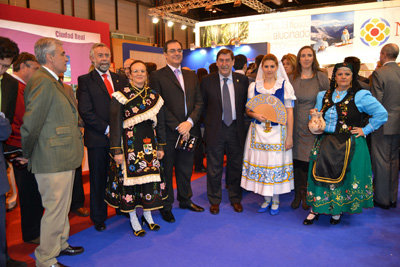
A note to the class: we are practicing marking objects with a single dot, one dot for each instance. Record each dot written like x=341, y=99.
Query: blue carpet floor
x=249, y=238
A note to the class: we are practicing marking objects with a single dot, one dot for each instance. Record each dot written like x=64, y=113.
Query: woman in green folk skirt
x=340, y=175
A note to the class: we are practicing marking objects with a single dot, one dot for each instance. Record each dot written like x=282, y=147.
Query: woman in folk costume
x=267, y=165
x=340, y=175
x=135, y=179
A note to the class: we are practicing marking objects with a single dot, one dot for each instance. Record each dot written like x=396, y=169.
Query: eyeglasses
x=173, y=51
x=6, y=66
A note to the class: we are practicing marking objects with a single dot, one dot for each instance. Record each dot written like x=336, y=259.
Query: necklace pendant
x=268, y=127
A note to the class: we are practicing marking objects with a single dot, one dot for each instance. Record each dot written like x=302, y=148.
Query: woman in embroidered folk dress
x=307, y=80
x=134, y=179
x=267, y=165
x=340, y=175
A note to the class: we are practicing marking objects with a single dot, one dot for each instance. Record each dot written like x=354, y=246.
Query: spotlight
x=155, y=20
x=183, y=27
x=213, y=44
x=192, y=47
x=170, y=24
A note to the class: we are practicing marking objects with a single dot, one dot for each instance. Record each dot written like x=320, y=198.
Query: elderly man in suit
x=385, y=142
x=224, y=94
x=94, y=96
x=52, y=143
x=181, y=111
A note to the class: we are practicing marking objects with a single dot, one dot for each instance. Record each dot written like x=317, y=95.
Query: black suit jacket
x=94, y=106
x=211, y=89
x=9, y=92
x=172, y=113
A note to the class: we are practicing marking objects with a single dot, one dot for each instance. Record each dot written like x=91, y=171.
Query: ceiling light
x=170, y=24
x=192, y=46
x=155, y=20
x=183, y=27
x=214, y=11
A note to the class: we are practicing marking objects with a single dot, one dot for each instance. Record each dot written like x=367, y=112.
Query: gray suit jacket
x=51, y=139
x=386, y=88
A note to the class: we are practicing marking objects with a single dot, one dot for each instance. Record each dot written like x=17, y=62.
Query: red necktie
x=108, y=85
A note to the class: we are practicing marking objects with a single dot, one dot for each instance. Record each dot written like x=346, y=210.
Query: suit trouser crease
x=56, y=192
x=98, y=159
x=227, y=142
x=183, y=163
x=30, y=201
x=385, y=166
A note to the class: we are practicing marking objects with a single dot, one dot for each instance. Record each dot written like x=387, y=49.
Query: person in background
x=135, y=179
x=385, y=142
x=127, y=64
x=150, y=67
x=182, y=109
x=212, y=68
x=52, y=144
x=224, y=95
x=307, y=80
x=9, y=90
x=252, y=75
x=289, y=63
x=267, y=164
x=199, y=152
x=94, y=97
x=28, y=193
x=240, y=65
x=340, y=174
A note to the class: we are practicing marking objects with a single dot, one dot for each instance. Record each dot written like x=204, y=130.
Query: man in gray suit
x=385, y=141
x=52, y=143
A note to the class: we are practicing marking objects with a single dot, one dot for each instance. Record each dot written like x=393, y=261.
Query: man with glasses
x=182, y=108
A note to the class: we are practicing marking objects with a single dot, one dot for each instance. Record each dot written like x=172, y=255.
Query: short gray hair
x=44, y=46
x=94, y=46
x=391, y=50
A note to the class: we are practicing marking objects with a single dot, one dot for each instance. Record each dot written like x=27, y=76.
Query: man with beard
x=94, y=96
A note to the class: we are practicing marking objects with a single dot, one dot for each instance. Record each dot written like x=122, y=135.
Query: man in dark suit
x=179, y=116
x=52, y=143
x=94, y=96
x=224, y=95
x=385, y=141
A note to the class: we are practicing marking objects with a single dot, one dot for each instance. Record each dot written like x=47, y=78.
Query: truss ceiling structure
x=166, y=11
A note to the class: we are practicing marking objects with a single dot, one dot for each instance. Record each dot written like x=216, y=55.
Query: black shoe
x=140, y=233
x=393, y=204
x=14, y=263
x=35, y=241
x=152, y=226
x=334, y=221
x=192, y=207
x=295, y=203
x=100, y=226
x=385, y=207
x=311, y=221
x=202, y=169
x=71, y=251
x=167, y=216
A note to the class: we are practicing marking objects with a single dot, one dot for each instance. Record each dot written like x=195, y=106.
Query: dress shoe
x=214, y=209
x=311, y=221
x=295, y=203
x=152, y=226
x=202, y=169
x=71, y=251
x=35, y=241
x=140, y=233
x=237, y=207
x=58, y=264
x=192, y=207
x=262, y=210
x=100, y=226
x=335, y=221
x=167, y=216
x=81, y=212
x=393, y=204
x=385, y=207
x=14, y=263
